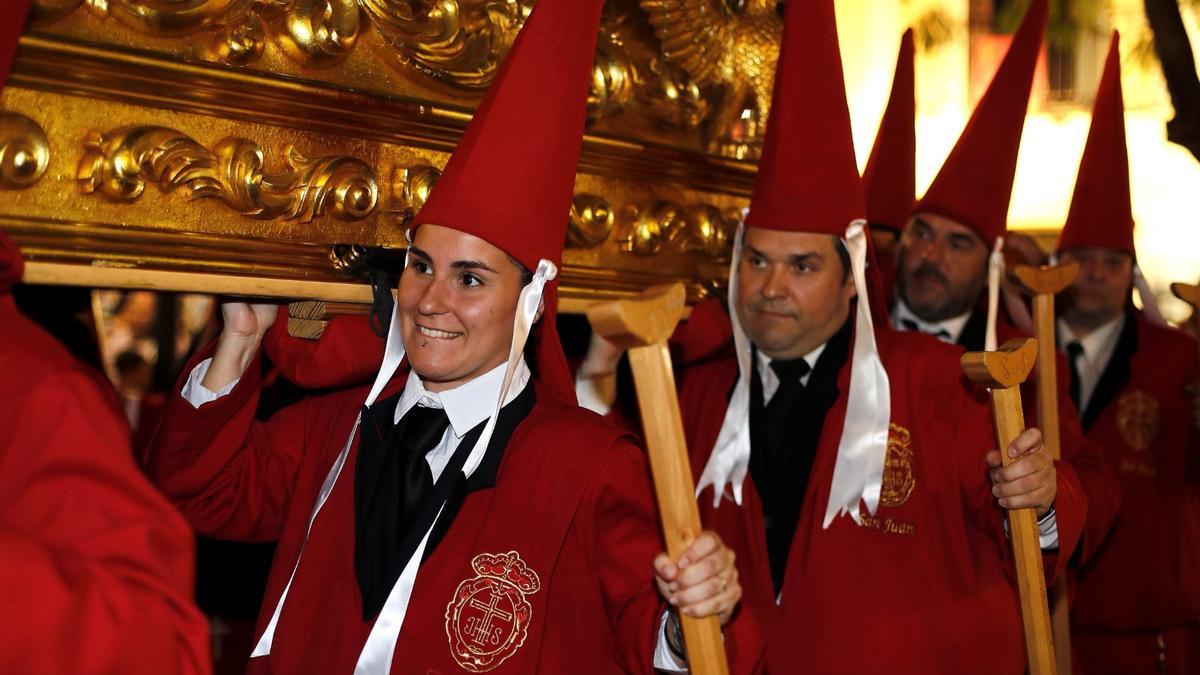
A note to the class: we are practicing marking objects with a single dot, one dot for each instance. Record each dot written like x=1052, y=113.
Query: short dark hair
x=535, y=336
x=843, y=255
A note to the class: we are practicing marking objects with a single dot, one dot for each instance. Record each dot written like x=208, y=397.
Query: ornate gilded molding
x=730, y=44
x=24, y=151
x=118, y=164
x=663, y=225
x=590, y=222
x=695, y=74
x=411, y=187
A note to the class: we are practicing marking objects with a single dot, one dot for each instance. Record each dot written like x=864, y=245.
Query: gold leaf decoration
x=24, y=151
x=411, y=187
x=591, y=221
x=319, y=33
x=663, y=225
x=732, y=48
x=118, y=164
x=453, y=41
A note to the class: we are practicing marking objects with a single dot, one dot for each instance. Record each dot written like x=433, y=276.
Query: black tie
x=940, y=333
x=1074, y=351
x=782, y=499
x=391, y=483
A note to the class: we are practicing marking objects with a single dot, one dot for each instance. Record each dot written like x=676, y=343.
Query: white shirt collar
x=770, y=381
x=1098, y=345
x=953, y=326
x=466, y=405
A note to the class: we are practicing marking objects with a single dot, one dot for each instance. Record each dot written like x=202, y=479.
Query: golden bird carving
x=730, y=44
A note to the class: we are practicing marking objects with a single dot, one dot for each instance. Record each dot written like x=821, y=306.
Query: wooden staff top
x=1047, y=279
x=1187, y=293
x=647, y=319
x=1003, y=368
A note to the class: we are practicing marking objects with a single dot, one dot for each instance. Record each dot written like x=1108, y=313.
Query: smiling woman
x=457, y=300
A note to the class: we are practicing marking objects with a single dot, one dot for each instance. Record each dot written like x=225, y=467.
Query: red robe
x=925, y=585
x=1146, y=578
x=95, y=566
x=572, y=499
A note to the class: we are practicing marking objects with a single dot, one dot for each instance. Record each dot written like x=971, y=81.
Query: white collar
x=953, y=326
x=764, y=361
x=468, y=404
x=1098, y=345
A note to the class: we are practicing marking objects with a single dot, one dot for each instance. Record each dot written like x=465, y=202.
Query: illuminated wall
x=1165, y=177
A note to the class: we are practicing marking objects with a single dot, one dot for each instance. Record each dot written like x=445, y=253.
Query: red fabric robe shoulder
x=572, y=508
x=1147, y=575
x=925, y=585
x=95, y=566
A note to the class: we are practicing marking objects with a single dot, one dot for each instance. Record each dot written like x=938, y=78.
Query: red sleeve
x=975, y=436
x=619, y=531
x=1098, y=482
x=231, y=476
x=618, y=517
x=97, y=568
x=348, y=353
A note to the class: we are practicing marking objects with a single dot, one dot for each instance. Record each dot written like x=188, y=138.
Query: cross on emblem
x=490, y=611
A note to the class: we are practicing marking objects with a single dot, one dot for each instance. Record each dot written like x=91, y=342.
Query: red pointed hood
x=12, y=22
x=1101, y=213
x=510, y=180
x=808, y=178
x=975, y=183
x=890, y=179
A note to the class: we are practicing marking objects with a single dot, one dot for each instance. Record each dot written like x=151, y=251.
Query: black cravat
x=940, y=333
x=1074, y=351
x=392, y=481
x=781, y=451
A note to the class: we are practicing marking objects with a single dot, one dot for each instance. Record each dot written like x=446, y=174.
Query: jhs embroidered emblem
x=898, y=477
x=487, y=621
x=1137, y=419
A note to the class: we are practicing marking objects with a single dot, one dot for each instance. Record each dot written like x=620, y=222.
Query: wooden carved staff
x=1002, y=372
x=1045, y=282
x=1191, y=295
x=642, y=325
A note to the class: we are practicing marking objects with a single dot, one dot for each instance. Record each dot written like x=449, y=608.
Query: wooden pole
x=1045, y=282
x=1191, y=295
x=1002, y=372
x=642, y=325
x=318, y=300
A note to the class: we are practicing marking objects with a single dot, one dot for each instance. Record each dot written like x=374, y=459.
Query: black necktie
x=391, y=483
x=781, y=498
x=939, y=333
x=1074, y=351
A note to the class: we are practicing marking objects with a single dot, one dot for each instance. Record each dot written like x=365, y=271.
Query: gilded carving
x=24, y=151
x=734, y=48
x=664, y=225
x=118, y=164
x=411, y=187
x=453, y=41
x=591, y=221
x=319, y=33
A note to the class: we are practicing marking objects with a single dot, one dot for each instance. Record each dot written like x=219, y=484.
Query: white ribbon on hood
x=995, y=275
x=1149, y=302
x=862, y=450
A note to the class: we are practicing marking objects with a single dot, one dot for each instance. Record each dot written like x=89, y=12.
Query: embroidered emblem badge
x=898, y=477
x=487, y=621
x=1137, y=419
